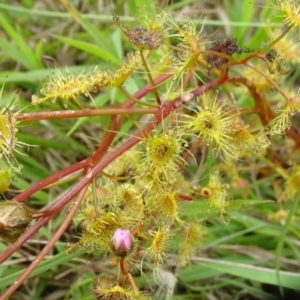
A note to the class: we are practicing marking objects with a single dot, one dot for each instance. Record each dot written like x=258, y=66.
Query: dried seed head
x=228, y=46
x=274, y=59
x=271, y=55
x=14, y=220
x=143, y=38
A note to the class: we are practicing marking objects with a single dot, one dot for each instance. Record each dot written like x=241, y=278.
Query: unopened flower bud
x=122, y=241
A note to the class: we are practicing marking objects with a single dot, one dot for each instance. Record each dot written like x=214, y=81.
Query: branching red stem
x=165, y=110
x=98, y=154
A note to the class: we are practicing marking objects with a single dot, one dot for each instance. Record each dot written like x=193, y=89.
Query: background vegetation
x=251, y=253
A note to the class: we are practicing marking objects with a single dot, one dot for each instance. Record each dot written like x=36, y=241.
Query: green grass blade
x=35, y=75
x=14, y=53
x=281, y=240
x=251, y=272
x=105, y=18
x=42, y=267
x=20, y=42
x=90, y=48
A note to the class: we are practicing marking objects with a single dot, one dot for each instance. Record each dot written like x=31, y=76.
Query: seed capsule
x=14, y=220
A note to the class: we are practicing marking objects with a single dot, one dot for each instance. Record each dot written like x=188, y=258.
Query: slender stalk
x=136, y=100
x=261, y=105
x=270, y=80
x=150, y=78
x=94, y=190
x=268, y=47
x=239, y=61
x=127, y=275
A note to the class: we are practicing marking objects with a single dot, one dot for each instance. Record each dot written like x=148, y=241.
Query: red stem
x=52, y=178
x=71, y=114
x=127, y=275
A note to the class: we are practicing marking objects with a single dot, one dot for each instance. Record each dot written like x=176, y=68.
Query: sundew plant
x=150, y=151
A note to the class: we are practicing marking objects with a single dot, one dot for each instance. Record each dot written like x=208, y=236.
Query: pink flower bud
x=122, y=241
